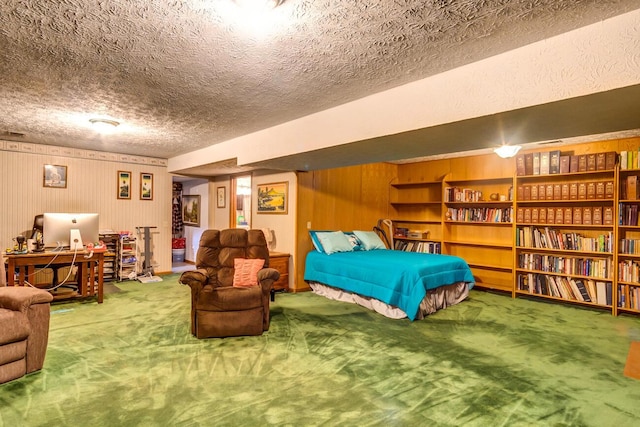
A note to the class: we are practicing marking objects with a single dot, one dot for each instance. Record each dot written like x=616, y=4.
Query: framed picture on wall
x=146, y=186
x=191, y=210
x=273, y=198
x=124, y=184
x=222, y=197
x=54, y=176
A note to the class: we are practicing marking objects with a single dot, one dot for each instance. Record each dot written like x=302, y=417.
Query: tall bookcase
x=565, y=241
x=478, y=227
x=416, y=207
x=628, y=249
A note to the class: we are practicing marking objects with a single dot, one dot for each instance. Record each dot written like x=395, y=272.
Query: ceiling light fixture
x=506, y=151
x=104, y=125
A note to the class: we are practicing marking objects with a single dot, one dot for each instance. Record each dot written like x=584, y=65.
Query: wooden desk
x=89, y=283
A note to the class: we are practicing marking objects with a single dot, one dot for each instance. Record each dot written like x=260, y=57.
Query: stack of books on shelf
x=596, y=215
x=424, y=247
x=547, y=238
x=554, y=162
x=583, y=290
x=633, y=300
x=630, y=246
x=584, y=190
x=629, y=271
x=592, y=267
x=456, y=194
x=629, y=159
x=480, y=214
x=627, y=214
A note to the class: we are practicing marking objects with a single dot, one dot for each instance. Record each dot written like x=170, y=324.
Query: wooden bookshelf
x=628, y=249
x=565, y=235
x=478, y=226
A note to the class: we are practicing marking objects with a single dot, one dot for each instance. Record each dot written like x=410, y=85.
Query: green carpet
x=490, y=361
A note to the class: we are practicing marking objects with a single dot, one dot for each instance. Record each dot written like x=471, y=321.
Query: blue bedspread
x=397, y=278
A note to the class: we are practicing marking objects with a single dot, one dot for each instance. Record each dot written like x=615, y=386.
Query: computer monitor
x=70, y=229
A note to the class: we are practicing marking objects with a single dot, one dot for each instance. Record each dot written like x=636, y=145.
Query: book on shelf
x=607, y=215
x=564, y=191
x=601, y=161
x=557, y=191
x=527, y=193
x=582, y=289
x=534, y=192
x=596, y=216
x=582, y=163
x=591, y=162
x=582, y=190
x=568, y=215
x=542, y=216
x=573, y=164
x=536, y=163
x=631, y=190
x=548, y=192
x=520, y=168
x=528, y=164
x=544, y=163
x=623, y=160
x=554, y=162
x=611, y=158
x=609, y=189
x=564, y=164
x=573, y=191
x=577, y=215
x=600, y=187
x=587, y=216
x=591, y=190
x=542, y=191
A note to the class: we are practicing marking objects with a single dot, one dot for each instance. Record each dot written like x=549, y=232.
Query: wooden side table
x=280, y=261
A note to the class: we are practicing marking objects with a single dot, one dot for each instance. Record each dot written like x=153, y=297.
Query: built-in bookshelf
x=565, y=239
x=478, y=226
x=628, y=232
x=416, y=209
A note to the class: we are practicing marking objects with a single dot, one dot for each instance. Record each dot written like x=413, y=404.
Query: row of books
x=629, y=188
x=629, y=271
x=598, y=292
x=480, y=214
x=424, y=247
x=592, y=267
x=584, y=190
x=547, y=238
x=553, y=162
x=596, y=215
x=629, y=246
x=627, y=214
x=629, y=297
x=457, y=194
x=629, y=159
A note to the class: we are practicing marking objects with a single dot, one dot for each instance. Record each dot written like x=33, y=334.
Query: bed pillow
x=334, y=241
x=245, y=272
x=369, y=240
x=356, y=244
x=316, y=241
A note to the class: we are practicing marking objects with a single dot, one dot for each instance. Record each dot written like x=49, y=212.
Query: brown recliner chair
x=24, y=334
x=218, y=309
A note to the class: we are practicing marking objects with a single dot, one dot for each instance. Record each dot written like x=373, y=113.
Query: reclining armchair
x=24, y=335
x=223, y=305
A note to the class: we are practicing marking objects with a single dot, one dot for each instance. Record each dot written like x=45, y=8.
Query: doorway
x=240, y=212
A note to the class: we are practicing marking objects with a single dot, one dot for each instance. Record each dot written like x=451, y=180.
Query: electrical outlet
x=308, y=225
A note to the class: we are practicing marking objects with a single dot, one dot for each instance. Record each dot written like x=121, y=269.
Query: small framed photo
x=124, y=184
x=273, y=198
x=222, y=197
x=146, y=186
x=54, y=176
x=191, y=210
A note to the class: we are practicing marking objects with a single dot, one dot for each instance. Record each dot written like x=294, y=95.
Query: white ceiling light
x=506, y=151
x=104, y=125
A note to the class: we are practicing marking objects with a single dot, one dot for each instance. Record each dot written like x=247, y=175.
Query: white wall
x=91, y=187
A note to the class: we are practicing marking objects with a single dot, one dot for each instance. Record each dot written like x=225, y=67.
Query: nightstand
x=280, y=261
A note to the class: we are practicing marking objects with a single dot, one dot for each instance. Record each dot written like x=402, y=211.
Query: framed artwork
x=191, y=210
x=146, y=186
x=273, y=198
x=222, y=197
x=54, y=176
x=124, y=184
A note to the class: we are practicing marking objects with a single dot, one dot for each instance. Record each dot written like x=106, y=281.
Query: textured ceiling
x=182, y=75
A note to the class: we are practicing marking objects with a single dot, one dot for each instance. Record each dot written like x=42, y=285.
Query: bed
x=394, y=283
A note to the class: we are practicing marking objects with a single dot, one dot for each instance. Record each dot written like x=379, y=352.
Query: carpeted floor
x=490, y=361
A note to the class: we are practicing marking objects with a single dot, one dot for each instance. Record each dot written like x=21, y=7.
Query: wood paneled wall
x=350, y=198
x=91, y=187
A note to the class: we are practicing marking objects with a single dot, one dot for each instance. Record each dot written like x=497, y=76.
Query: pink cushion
x=246, y=272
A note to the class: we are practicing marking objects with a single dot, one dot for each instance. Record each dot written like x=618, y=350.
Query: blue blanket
x=397, y=278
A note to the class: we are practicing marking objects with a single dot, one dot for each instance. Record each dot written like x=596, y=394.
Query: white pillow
x=334, y=241
x=370, y=240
